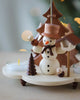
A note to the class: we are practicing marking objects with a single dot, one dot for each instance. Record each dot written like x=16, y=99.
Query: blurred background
x=16, y=16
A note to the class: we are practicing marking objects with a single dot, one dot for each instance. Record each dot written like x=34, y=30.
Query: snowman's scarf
x=48, y=47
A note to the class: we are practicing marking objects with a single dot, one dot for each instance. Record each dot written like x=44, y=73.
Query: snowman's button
x=48, y=65
x=48, y=70
x=48, y=56
x=47, y=51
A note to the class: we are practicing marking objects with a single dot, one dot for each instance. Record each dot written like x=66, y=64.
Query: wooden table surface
x=11, y=89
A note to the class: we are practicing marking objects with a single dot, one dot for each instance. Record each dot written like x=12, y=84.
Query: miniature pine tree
x=31, y=70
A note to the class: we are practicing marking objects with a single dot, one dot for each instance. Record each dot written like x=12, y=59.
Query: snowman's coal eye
x=48, y=65
x=47, y=51
x=50, y=40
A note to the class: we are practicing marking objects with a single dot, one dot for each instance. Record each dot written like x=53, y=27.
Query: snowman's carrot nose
x=46, y=42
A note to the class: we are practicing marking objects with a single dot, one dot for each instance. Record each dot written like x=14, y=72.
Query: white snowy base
x=14, y=70
x=40, y=79
x=12, y=74
x=50, y=80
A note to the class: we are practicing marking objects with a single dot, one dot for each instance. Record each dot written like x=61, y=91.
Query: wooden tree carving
x=31, y=70
x=55, y=19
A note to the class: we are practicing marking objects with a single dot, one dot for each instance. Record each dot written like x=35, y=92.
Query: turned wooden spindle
x=51, y=12
x=68, y=64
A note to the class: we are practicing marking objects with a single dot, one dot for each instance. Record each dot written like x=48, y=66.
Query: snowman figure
x=50, y=65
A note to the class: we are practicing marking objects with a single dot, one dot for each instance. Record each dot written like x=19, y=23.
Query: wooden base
x=75, y=84
x=23, y=83
x=42, y=80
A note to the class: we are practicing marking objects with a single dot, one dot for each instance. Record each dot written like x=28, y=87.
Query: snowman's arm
x=37, y=49
x=59, y=50
x=67, y=46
